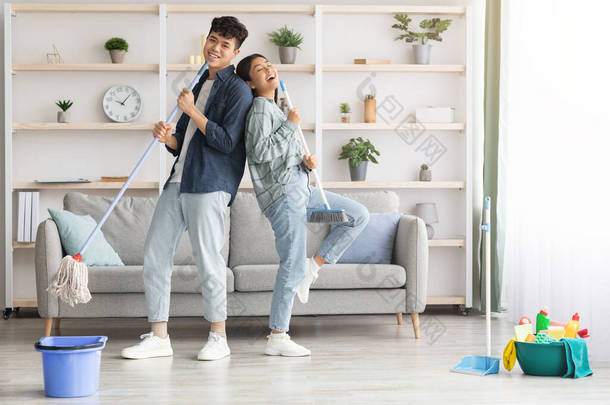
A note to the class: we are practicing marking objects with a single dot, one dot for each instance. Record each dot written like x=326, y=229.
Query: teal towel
x=577, y=358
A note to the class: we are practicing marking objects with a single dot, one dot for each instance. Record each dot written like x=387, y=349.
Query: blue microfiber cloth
x=577, y=358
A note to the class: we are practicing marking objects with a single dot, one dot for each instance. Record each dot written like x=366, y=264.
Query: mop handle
x=138, y=166
x=487, y=229
x=304, y=142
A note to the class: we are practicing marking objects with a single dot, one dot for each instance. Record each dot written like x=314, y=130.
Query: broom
x=70, y=282
x=326, y=214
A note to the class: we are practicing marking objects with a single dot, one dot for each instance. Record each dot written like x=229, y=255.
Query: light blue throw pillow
x=74, y=231
x=375, y=243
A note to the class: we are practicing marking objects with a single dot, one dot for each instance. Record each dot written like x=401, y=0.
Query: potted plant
x=430, y=29
x=117, y=47
x=346, y=112
x=359, y=152
x=63, y=115
x=288, y=42
x=425, y=174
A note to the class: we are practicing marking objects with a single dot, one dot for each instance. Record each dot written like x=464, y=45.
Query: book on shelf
x=52, y=181
x=27, y=226
x=21, y=218
x=35, y=208
x=111, y=179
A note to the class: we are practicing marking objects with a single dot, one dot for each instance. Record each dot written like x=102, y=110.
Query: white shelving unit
x=319, y=127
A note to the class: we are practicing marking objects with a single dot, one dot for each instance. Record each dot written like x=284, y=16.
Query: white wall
x=51, y=154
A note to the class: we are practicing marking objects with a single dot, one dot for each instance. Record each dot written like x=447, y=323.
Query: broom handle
x=487, y=229
x=304, y=142
x=138, y=166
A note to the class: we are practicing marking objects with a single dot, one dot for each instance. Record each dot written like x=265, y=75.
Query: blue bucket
x=71, y=364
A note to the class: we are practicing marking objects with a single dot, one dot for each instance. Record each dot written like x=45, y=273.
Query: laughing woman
x=280, y=174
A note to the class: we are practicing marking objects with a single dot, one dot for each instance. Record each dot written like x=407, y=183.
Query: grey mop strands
x=326, y=214
x=70, y=282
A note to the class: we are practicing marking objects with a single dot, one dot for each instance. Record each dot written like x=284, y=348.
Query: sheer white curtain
x=554, y=174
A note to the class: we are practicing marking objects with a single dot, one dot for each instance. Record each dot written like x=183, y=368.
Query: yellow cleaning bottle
x=572, y=326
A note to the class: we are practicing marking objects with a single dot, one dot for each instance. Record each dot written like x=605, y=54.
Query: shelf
x=85, y=67
x=450, y=300
x=186, y=67
x=395, y=184
x=241, y=9
x=362, y=126
x=445, y=10
x=448, y=242
x=82, y=126
x=84, y=8
x=391, y=67
x=94, y=185
x=23, y=245
x=25, y=303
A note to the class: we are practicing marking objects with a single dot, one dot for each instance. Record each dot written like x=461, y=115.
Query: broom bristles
x=328, y=216
x=70, y=282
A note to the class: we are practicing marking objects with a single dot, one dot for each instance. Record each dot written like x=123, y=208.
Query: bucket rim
x=100, y=343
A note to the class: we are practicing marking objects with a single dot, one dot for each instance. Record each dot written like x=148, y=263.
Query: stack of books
x=29, y=203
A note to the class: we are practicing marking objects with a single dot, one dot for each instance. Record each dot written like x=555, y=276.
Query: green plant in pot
x=429, y=29
x=346, y=112
x=425, y=174
x=288, y=42
x=64, y=114
x=359, y=152
x=117, y=48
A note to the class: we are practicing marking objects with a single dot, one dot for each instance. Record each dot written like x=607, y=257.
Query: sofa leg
x=415, y=320
x=51, y=323
x=399, y=318
x=48, y=323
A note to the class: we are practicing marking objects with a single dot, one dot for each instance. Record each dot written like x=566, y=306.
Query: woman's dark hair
x=230, y=27
x=243, y=70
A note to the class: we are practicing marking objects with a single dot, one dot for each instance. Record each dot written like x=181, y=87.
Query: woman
x=279, y=171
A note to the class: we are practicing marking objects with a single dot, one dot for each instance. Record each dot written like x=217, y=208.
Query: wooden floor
x=356, y=359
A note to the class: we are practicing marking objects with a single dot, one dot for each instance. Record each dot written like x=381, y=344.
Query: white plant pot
x=63, y=116
x=422, y=54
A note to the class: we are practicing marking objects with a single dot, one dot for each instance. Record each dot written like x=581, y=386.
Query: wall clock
x=122, y=103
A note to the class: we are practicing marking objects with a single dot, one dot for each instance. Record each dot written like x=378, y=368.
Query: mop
x=326, y=214
x=70, y=282
x=483, y=365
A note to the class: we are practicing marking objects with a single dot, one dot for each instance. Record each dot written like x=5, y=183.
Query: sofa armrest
x=47, y=258
x=411, y=252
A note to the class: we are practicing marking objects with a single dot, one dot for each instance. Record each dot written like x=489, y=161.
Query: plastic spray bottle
x=572, y=326
x=542, y=320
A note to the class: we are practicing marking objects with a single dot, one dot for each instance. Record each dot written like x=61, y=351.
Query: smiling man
x=211, y=156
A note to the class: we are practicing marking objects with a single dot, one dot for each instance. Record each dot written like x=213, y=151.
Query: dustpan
x=483, y=365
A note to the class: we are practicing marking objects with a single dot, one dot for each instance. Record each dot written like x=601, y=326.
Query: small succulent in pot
x=117, y=48
x=425, y=174
x=64, y=114
x=288, y=42
x=346, y=112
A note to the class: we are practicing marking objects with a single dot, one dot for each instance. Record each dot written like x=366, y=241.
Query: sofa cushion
x=127, y=226
x=261, y=277
x=375, y=243
x=73, y=232
x=128, y=279
x=252, y=240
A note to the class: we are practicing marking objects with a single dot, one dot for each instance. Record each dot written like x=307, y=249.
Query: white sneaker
x=311, y=275
x=150, y=346
x=281, y=345
x=216, y=348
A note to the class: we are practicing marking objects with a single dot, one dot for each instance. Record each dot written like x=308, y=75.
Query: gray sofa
x=252, y=261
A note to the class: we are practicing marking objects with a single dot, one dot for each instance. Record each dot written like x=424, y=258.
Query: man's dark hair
x=230, y=27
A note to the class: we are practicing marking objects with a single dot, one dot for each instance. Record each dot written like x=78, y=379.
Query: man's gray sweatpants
x=203, y=216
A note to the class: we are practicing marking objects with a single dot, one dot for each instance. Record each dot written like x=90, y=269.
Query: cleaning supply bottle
x=572, y=326
x=542, y=320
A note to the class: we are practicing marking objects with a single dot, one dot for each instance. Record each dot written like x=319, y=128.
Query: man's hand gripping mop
x=326, y=214
x=70, y=282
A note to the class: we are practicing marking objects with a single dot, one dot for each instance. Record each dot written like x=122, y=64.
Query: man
x=204, y=179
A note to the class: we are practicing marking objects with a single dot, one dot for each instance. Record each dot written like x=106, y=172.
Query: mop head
x=70, y=282
x=328, y=216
